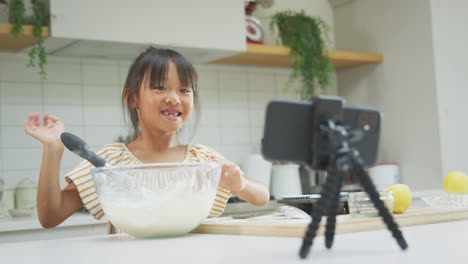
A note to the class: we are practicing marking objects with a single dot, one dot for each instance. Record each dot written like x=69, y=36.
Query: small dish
x=21, y=212
x=447, y=201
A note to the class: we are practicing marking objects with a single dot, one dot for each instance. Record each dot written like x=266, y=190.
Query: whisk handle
x=76, y=145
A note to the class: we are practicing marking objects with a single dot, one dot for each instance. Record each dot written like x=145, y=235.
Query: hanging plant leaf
x=303, y=35
x=16, y=12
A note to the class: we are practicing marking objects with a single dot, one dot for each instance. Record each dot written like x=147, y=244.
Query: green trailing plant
x=16, y=12
x=303, y=35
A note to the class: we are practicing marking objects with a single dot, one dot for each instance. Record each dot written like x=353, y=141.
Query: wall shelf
x=10, y=43
x=278, y=56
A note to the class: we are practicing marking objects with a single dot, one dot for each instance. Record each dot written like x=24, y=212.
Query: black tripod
x=343, y=158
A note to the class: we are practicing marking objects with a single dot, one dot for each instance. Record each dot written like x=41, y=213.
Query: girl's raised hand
x=232, y=177
x=48, y=133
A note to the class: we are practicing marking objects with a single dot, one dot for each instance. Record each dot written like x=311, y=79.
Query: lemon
x=456, y=182
x=401, y=197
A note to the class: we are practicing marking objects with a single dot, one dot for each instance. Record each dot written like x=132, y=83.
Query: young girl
x=160, y=93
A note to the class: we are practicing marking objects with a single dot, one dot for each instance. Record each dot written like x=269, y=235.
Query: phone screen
x=288, y=131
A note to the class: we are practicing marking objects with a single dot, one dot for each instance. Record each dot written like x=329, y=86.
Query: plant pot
x=285, y=180
x=289, y=27
x=286, y=30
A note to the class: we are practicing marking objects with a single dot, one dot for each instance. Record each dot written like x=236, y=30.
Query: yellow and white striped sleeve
x=198, y=153
x=81, y=177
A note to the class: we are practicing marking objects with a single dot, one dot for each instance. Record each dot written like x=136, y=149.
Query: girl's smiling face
x=164, y=106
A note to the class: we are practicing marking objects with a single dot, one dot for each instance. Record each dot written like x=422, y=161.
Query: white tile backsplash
x=256, y=134
x=62, y=93
x=16, y=70
x=98, y=136
x=260, y=81
x=102, y=115
x=259, y=100
x=257, y=117
x=15, y=114
x=208, y=135
x=100, y=73
x=208, y=80
x=124, y=66
x=85, y=94
x=233, y=98
x=233, y=116
x=20, y=93
x=13, y=177
x=209, y=97
x=69, y=114
x=210, y=115
x=63, y=72
x=232, y=80
x=236, y=153
x=15, y=137
x=284, y=89
x=21, y=158
x=235, y=136
x=102, y=94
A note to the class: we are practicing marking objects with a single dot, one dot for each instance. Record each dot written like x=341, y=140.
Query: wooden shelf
x=278, y=56
x=10, y=43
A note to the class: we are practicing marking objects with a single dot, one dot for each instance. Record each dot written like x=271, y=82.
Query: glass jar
x=360, y=205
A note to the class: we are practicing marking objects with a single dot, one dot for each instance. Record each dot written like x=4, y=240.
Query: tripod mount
x=332, y=151
x=327, y=136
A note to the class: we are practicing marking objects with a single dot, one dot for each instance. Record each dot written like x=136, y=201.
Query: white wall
x=85, y=93
x=451, y=55
x=402, y=87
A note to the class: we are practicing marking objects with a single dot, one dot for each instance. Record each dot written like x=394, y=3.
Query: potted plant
x=38, y=19
x=303, y=35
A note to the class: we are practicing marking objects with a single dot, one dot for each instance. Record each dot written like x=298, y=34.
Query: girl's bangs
x=158, y=69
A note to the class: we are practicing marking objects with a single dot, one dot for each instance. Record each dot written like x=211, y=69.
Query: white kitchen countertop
x=30, y=223
x=436, y=243
x=80, y=219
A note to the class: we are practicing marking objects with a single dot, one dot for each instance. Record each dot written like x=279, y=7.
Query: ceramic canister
x=385, y=174
x=285, y=180
x=26, y=192
x=8, y=200
x=257, y=168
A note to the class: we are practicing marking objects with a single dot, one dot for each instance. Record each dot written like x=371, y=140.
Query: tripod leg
x=317, y=213
x=369, y=187
x=333, y=208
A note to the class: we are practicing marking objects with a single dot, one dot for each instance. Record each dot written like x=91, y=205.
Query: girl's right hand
x=47, y=133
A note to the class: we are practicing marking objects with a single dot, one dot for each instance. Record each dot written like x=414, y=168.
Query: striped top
x=117, y=154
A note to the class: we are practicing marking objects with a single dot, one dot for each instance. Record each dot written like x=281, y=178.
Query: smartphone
x=289, y=134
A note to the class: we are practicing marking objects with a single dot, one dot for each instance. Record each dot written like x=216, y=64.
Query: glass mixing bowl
x=163, y=199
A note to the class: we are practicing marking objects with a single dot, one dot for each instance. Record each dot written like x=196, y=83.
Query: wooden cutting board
x=270, y=225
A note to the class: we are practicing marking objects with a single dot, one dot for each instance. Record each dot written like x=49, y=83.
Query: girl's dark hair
x=155, y=63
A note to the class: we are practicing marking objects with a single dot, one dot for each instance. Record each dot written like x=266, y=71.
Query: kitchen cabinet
x=202, y=30
x=278, y=56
